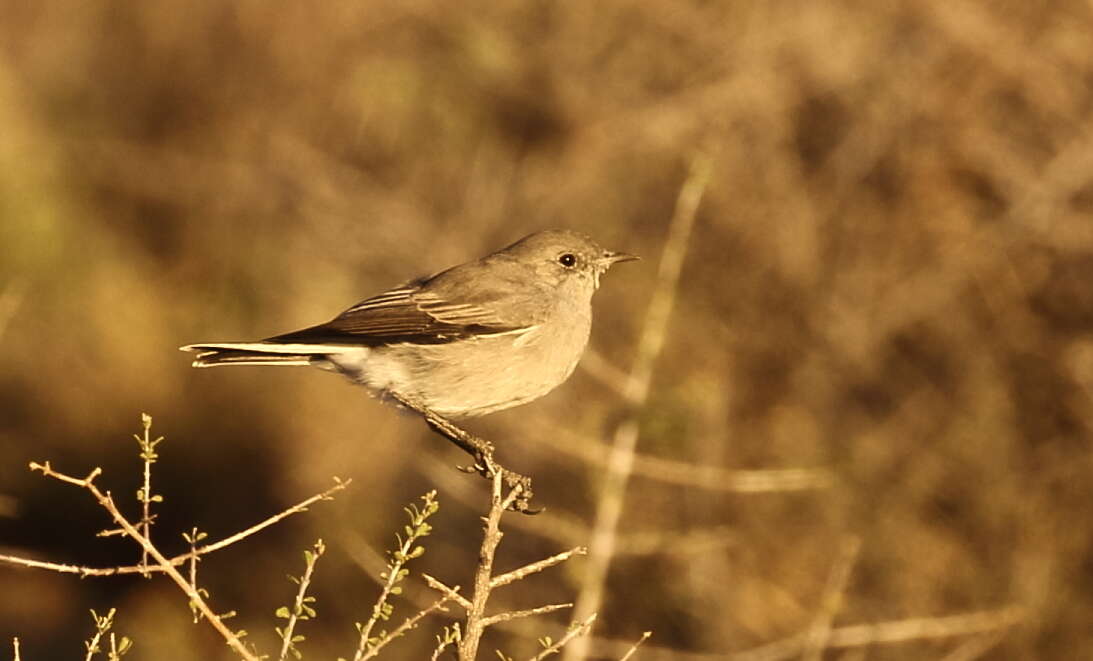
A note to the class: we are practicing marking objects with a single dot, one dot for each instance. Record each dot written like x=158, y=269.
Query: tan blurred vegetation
x=889, y=278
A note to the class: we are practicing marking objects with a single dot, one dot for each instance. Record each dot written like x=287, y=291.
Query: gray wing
x=487, y=297
x=405, y=314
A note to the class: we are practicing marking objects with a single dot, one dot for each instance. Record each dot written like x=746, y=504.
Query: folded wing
x=405, y=314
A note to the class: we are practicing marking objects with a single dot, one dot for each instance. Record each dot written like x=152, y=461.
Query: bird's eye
x=568, y=260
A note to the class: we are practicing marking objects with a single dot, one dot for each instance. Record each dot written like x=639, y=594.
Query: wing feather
x=404, y=314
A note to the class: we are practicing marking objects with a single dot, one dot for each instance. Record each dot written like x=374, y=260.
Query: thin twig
x=574, y=632
x=177, y=560
x=451, y=592
x=528, y=612
x=517, y=574
x=831, y=602
x=373, y=564
x=144, y=495
x=621, y=460
x=395, y=573
x=409, y=623
x=192, y=538
x=107, y=502
x=451, y=636
x=102, y=626
x=302, y=506
x=630, y=652
x=300, y=609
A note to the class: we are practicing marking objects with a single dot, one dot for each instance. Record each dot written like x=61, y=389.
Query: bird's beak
x=610, y=258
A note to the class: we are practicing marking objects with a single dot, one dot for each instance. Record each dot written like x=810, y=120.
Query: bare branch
x=47, y=470
x=177, y=560
x=517, y=574
x=472, y=632
x=633, y=649
x=107, y=502
x=529, y=612
x=451, y=592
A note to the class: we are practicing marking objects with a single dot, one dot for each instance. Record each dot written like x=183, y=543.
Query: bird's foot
x=481, y=451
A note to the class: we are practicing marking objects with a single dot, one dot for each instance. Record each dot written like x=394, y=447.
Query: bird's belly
x=491, y=373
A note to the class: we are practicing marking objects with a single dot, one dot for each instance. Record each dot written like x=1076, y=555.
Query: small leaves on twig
x=576, y=629
x=103, y=624
x=144, y=494
x=302, y=608
x=408, y=549
x=451, y=636
x=147, y=444
x=192, y=538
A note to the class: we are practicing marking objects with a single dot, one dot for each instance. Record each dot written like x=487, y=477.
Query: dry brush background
x=890, y=280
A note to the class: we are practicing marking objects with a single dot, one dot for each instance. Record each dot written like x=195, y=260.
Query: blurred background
x=887, y=288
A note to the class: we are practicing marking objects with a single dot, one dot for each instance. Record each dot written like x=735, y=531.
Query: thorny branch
x=178, y=560
x=107, y=502
x=476, y=620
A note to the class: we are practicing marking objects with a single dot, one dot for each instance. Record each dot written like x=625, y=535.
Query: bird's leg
x=479, y=449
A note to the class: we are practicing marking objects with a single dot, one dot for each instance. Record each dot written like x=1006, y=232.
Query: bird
x=471, y=340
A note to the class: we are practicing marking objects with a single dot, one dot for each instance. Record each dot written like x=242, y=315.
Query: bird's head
x=565, y=258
